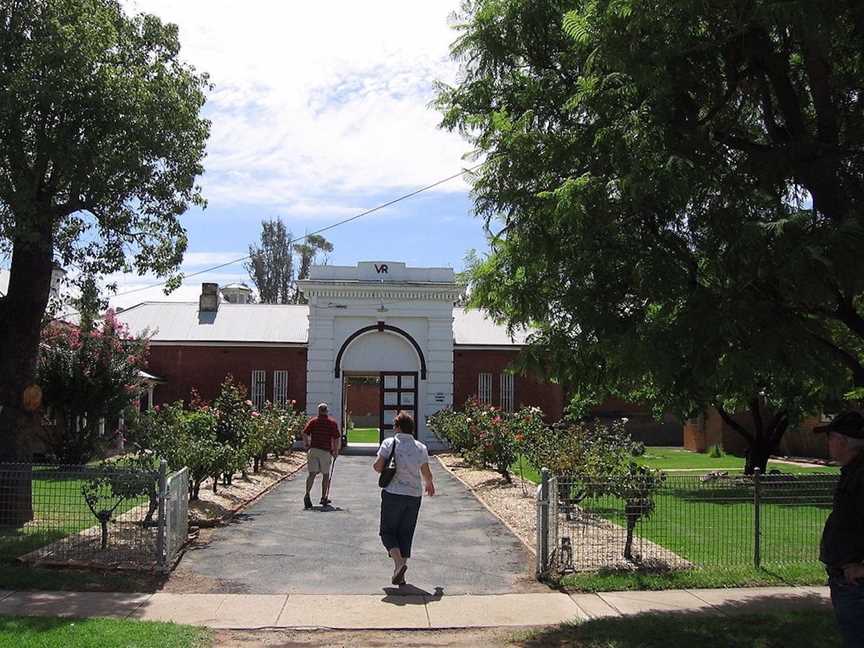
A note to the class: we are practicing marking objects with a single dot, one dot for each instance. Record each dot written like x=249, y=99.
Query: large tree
x=678, y=187
x=307, y=253
x=271, y=264
x=102, y=140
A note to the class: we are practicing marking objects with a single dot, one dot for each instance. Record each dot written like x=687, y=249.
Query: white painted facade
x=355, y=309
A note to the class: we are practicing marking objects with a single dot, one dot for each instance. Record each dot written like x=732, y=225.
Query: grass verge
x=30, y=632
x=20, y=577
x=620, y=580
x=801, y=629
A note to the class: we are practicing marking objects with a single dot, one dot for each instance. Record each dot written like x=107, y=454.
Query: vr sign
x=380, y=271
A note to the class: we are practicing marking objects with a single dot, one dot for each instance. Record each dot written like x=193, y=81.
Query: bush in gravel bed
x=184, y=438
x=217, y=440
x=450, y=426
x=482, y=434
x=493, y=438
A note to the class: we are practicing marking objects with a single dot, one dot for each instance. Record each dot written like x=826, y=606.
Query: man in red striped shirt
x=322, y=440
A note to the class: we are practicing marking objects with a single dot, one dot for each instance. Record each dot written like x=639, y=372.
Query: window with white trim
x=508, y=383
x=484, y=388
x=259, y=388
x=280, y=387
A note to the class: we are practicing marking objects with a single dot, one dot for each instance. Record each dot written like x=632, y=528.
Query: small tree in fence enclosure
x=108, y=487
x=637, y=488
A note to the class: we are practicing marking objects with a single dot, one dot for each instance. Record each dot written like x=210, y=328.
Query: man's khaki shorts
x=318, y=461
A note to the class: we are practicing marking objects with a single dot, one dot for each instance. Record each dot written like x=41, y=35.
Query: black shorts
x=398, y=521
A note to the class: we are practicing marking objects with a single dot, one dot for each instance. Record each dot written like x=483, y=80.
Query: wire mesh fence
x=81, y=515
x=682, y=522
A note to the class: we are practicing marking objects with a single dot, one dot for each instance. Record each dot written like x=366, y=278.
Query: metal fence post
x=162, y=533
x=543, y=530
x=757, y=519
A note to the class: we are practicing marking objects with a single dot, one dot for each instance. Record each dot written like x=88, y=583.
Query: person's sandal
x=399, y=576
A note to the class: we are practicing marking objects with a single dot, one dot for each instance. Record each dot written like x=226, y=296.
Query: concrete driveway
x=276, y=547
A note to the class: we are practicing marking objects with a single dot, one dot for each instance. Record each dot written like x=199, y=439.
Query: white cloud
x=316, y=100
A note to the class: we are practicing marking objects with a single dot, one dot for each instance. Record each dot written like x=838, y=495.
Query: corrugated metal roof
x=247, y=323
x=475, y=327
x=277, y=324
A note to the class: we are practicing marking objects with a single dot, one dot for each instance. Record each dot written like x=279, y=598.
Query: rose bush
x=217, y=440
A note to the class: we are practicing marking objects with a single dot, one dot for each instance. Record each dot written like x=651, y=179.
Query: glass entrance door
x=398, y=392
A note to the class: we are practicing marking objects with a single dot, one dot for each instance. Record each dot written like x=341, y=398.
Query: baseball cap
x=850, y=424
x=322, y=407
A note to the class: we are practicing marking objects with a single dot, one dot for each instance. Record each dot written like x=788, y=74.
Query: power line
x=305, y=236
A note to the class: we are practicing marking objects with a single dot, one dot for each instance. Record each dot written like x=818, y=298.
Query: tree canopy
x=103, y=140
x=677, y=188
x=271, y=264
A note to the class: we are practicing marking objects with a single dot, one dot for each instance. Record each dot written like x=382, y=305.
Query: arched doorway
x=389, y=359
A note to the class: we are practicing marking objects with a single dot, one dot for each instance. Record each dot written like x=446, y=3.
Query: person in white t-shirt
x=401, y=498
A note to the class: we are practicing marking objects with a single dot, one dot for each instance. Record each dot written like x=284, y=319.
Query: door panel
x=398, y=392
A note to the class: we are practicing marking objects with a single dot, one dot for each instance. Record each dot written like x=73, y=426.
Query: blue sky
x=319, y=111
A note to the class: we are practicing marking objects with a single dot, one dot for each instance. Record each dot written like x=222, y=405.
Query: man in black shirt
x=842, y=547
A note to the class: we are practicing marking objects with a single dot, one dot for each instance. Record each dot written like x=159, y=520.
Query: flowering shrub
x=494, y=443
x=217, y=440
x=450, y=426
x=272, y=430
x=87, y=374
x=482, y=434
x=184, y=438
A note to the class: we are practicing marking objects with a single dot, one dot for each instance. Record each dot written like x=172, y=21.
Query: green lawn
x=59, y=510
x=672, y=459
x=363, y=435
x=799, y=629
x=41, y=632
x=609, y=580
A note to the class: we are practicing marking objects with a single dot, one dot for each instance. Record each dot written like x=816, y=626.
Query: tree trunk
x=628, y=545
x=21, y=313
x=756, y=457
x=764, y=440
x=104, y=523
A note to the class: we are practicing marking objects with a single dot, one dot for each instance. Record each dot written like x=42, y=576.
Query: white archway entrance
x=393, y=362
x=380, y=318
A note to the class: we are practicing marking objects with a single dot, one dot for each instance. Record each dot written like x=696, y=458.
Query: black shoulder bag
x=389, y=471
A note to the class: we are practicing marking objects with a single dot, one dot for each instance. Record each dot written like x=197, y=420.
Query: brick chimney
x=208, y=302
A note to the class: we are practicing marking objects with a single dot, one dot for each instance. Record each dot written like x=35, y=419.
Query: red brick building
x=380, y=319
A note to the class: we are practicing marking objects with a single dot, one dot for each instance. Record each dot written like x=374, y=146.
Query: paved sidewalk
x=399, y=611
